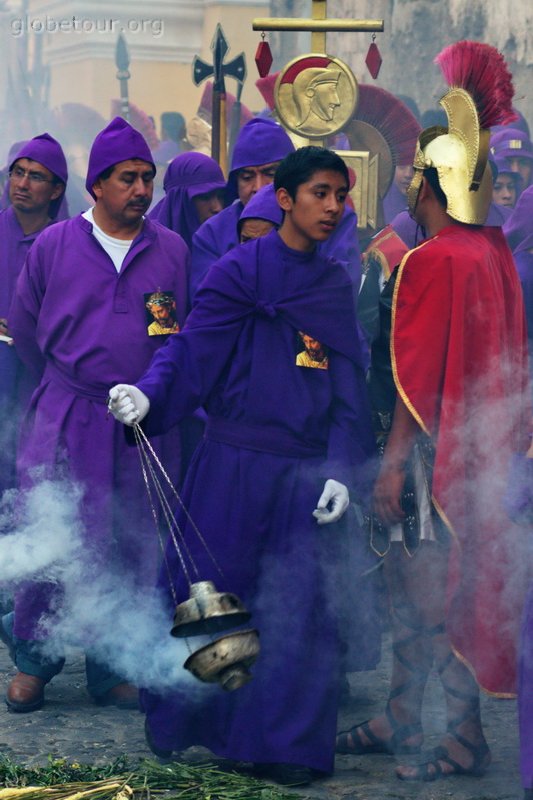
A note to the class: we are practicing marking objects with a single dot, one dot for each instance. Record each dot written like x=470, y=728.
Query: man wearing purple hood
x=260, y=139
x=281, y=440
x=516, y=148
x=194, y=192
x=80, y=321
x=36, y=185
x=215, y=237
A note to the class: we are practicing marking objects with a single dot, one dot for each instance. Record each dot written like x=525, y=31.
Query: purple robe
x=524, y=264
x=211, y=241
x=525, y=694
x=219, y=234
x=260, y=141
x=275, y=431
x=16, y=384
x=518, y=229
x=83, y=327
x=394, y=203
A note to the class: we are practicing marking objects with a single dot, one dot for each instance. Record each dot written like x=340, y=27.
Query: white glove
x=128, y=404
x=336, y=496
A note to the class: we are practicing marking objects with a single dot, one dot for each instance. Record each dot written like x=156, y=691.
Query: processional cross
x=319, y=25
x=316, y=94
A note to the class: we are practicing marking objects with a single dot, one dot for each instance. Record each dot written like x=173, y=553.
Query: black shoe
x=285, y=774
x=165, y=756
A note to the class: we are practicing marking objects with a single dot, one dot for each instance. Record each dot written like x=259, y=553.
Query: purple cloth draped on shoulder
x=189, y=175
x=81, y=340
x=219, y=234
x=275, y=432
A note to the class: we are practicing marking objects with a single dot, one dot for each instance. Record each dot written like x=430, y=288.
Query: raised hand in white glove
x=333, y=502
x=128, y=404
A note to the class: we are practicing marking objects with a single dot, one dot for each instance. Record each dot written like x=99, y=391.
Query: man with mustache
x=78, y=320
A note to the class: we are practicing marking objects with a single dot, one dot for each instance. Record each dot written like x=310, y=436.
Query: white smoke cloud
x=46, y=535
x=121, y=624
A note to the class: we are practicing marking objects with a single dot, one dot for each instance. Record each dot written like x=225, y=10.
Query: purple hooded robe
x=187, y=176
x=80, y=342
x=519, y=233
x=275, y=431
x=261, y=141
x=80, y=326
x=15, y=382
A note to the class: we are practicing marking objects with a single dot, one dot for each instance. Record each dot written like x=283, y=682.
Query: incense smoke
x=46, y=538
x=121, y=624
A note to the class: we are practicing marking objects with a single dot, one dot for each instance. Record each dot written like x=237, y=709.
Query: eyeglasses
x=34, y=177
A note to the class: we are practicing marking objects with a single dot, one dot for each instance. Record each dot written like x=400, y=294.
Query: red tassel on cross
x=373, y=59
x=263, y=58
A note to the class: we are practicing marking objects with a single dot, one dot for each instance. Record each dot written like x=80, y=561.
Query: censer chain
x=145, y=464
x=143, y=443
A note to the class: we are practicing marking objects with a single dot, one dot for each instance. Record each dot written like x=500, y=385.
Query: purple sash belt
x=97, y=395
x=262, y=439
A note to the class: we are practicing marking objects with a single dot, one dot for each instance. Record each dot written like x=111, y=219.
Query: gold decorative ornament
x=315, y=95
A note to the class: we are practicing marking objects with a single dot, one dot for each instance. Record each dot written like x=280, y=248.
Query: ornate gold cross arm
x=319, y=25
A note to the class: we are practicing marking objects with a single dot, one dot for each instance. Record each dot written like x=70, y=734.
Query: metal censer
x=227, y=659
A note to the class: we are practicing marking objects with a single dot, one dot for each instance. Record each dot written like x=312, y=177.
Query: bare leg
x=398, y=729
x=463, y=749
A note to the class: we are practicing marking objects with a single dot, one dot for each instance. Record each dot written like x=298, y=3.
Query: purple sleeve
x=24, y=312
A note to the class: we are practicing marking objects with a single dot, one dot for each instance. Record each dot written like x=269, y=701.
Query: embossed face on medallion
x=315, y=95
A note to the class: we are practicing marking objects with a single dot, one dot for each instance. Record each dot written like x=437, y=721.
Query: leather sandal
x=432, y=770
x=351, y=742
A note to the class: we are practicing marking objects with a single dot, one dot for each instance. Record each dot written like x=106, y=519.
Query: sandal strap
x=401, y=732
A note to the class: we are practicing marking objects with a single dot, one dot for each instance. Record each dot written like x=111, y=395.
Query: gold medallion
x=315, y=95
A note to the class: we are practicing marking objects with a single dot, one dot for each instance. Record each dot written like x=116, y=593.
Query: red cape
x=459, y=356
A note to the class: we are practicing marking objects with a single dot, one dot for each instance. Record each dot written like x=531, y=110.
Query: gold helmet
x=480, y=96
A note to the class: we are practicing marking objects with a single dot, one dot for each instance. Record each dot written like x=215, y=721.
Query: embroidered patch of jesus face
x=160, y=312
x=310, y=352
